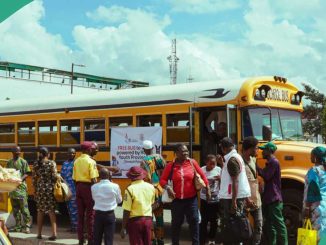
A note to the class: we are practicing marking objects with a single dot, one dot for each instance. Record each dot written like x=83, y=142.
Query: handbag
x=237, y=228
x=306, y=235
x=61, y=190
x=198, y=181
x=165, y=196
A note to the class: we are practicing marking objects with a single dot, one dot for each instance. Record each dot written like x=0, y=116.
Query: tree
x=323, y=122
x=315, y=112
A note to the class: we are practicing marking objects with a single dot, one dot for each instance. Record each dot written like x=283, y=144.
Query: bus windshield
x=286, y=125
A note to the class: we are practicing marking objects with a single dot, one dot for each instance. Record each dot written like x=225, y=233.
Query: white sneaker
x=211, y=243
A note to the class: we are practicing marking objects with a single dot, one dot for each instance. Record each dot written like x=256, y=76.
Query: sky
x=132, y=39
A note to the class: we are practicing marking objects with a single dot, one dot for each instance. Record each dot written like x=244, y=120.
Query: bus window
x=233, y=125
x=26, y=133
x=70, y=132
x=149, y=121
x=94, y=130
x=213, y=129
x=177, y=128
x=7, y=134
x=47, y=133
x=259, y=119
x=120, y=121
x=291, y=125
x=246, y=125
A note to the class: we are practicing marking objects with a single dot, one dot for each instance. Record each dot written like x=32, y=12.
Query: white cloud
x=137, y=50
x=134, y=44
x=203, y=6
x=291, y=50
x=25, y=40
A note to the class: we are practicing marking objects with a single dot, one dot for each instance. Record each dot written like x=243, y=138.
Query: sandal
x=15, y=229
x=39, y=237
x=52, y=238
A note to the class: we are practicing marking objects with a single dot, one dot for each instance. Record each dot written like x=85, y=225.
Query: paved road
x=65, y=237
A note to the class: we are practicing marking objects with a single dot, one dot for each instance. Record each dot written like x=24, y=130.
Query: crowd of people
x=231, y=188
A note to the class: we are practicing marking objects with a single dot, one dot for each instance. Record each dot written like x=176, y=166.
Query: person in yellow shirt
x=85, y=174
x=137, y=208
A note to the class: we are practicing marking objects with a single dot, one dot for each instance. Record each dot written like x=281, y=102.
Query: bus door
x=215, y=124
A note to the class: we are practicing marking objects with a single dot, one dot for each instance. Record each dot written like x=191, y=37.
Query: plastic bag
x=306, y=235
x=165, y=195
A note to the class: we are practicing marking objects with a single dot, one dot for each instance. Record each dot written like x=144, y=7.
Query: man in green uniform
x=154, y=165
x=19, y=196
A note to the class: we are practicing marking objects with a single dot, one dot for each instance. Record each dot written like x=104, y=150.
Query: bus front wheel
x=292, y=211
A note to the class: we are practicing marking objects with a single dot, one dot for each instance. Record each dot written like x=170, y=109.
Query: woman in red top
x=185, y=202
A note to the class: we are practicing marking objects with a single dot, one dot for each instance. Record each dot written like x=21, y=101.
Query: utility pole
x=72, y=76
x=173, y=60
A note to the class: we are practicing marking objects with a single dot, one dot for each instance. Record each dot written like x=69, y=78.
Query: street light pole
x=72, y=76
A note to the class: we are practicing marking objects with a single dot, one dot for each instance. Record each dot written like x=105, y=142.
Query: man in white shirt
x=234, y=189
x=107, y=196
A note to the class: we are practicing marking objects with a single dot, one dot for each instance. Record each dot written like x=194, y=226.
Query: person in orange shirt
x=85, y=174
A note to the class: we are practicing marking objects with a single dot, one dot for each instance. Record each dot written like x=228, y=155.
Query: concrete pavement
x=65, y=237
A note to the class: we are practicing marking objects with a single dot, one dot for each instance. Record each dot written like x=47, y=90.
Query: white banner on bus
x=127, y=146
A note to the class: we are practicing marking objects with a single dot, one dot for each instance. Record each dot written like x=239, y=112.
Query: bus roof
x=224, y=90
x=240, y=91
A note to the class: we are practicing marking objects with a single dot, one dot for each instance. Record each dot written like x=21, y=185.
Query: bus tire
x=292, y=211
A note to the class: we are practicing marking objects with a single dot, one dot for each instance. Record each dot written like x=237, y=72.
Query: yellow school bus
x=197, y=114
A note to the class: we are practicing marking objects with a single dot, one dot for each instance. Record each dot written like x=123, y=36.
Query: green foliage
x=315, y=112
x=323, y=122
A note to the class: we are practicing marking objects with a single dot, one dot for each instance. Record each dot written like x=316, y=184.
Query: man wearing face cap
x=84, y=175
x=272, y=197
x=137, y=208
x=154, y=165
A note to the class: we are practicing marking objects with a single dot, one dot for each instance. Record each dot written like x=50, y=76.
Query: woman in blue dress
x=66, y=174
x=315, y=192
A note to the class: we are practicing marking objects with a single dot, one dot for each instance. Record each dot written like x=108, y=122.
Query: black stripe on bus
x=97, y=107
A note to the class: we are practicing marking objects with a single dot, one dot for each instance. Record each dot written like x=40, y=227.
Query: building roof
x=88, y=78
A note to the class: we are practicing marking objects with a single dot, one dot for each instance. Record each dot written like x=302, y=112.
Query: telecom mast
x=173, y=59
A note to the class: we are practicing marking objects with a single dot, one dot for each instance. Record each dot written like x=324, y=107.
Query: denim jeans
x=179, y=209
